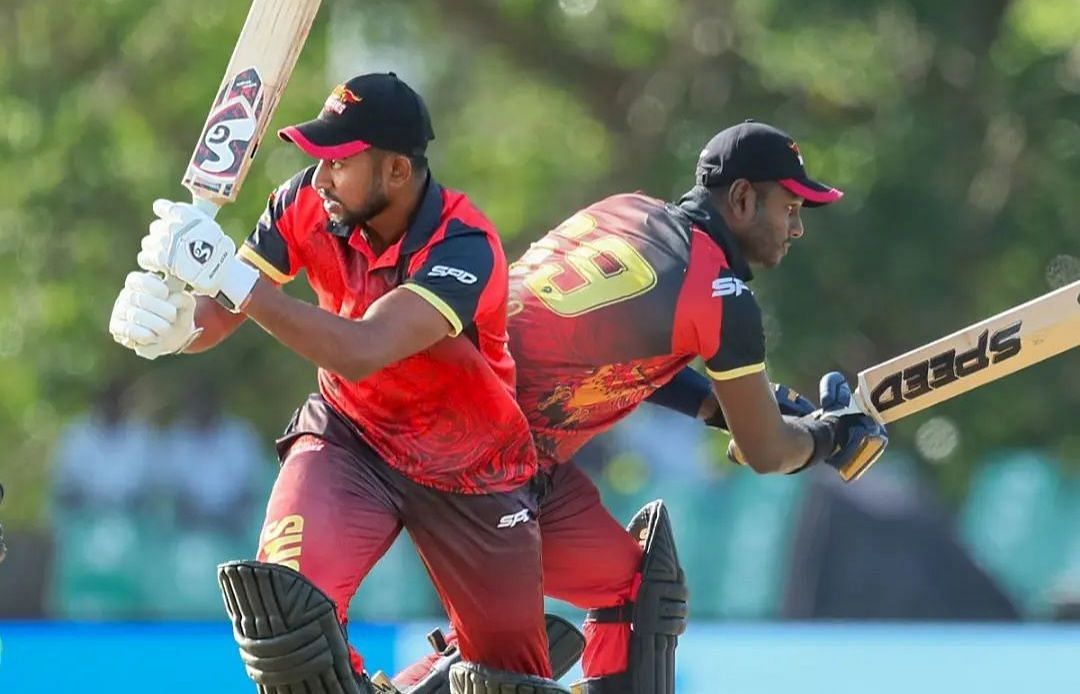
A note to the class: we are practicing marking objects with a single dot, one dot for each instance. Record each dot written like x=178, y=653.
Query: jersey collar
x=696, y=206
x=427, y=218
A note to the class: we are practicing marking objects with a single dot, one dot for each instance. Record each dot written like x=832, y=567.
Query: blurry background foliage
x=954, y=128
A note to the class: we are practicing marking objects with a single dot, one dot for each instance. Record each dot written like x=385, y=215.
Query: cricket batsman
x=607, y=311
x=414, y=426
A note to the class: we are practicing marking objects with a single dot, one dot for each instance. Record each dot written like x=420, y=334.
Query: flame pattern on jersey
x=611, y=304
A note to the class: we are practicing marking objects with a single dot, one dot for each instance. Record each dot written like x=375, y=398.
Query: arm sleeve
x=741, y=349
x=684, y=393
x=270, y=246
x=455, y=275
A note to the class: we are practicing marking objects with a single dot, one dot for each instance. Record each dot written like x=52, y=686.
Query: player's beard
x=760, y=244
x=376, y=201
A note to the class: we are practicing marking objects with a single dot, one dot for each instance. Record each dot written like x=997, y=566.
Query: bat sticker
x=944, y=368
x=227, y=138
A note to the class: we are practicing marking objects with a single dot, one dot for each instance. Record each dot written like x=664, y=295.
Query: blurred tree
x=953, y=127
x=101, y=104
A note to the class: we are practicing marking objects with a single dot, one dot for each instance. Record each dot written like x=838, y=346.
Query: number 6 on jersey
x=597, y=271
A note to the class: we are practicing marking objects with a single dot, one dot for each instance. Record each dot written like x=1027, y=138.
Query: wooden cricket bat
x=980, y=353
x=984, y=352
x=261, y=63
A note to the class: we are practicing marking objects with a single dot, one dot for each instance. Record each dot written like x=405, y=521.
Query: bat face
x=974, y=356
x=228, y=137
x=260, y=67
x=923, y=377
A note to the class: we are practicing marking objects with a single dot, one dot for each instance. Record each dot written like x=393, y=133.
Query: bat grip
x=856, y=406
x=207, y=206
x=860, y=405
x=210, y=209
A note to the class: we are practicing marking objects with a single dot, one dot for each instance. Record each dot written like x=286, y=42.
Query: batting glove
x=857, y=439
x=152, y=320
x=188, y=244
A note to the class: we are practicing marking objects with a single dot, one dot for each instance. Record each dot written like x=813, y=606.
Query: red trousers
x=335, y=510
x=589, y=560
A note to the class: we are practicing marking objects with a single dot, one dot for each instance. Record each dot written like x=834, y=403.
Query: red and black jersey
x=445, y=417
x=609, y=305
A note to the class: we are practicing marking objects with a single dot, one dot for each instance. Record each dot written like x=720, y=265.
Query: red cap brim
x=296, y=135
x=815, y=194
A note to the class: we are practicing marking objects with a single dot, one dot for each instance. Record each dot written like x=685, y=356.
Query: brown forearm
x=793, y=448
x=397, y=325
x=767, y=441
x=216, y=322
x=323, y=338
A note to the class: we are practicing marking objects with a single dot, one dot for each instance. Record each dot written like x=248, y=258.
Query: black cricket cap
x=759, y=152
x=373, y=110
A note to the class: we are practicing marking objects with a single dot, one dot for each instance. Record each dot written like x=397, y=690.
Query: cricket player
x=415, y=423
x=607, y=311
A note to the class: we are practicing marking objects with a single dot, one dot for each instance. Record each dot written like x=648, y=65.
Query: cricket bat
x=986, y=351
x=980, y=353
x=261, y=63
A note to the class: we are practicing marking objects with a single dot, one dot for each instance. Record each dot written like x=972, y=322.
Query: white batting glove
x=152, y=320
x=188, y=244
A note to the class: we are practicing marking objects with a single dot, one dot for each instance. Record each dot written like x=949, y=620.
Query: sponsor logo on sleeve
x=729, y=286
x=457, y=273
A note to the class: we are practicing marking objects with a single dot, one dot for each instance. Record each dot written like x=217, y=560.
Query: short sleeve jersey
x=608, y=306
x=445, y=417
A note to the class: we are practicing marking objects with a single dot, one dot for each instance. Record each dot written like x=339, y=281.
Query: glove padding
x=790, y=402
x=188, y=244
x=858, y=439
x=152, y=320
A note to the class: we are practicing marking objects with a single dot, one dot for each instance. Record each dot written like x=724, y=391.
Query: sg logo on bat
x=228, y=135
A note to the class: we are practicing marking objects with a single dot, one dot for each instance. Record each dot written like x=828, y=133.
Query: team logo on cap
x=341, y=97
x=795, y=148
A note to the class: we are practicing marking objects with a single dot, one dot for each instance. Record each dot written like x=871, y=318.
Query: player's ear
x=400, y=170
x=742, y=199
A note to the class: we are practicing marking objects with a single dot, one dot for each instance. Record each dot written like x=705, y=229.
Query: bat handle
x=208, y=207
x=858, y=406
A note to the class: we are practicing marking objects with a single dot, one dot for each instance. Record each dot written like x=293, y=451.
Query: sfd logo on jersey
x=457, y=273
x=729, y=286
x=512, y=519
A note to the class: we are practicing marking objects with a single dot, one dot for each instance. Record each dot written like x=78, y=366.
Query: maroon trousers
x=336, y=508
x=589, y=560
